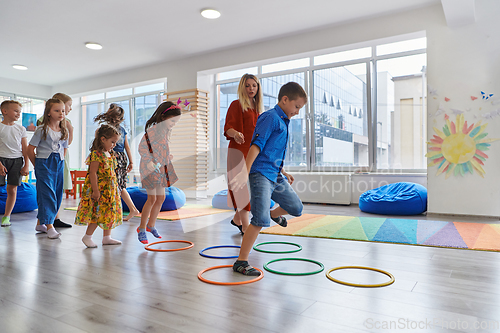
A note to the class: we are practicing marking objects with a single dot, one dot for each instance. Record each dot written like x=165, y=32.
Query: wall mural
x=460, y=148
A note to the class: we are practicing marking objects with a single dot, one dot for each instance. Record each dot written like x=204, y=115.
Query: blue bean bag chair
x=220, y=200
x=174, y=198
x=395, y=199
x=25, y=200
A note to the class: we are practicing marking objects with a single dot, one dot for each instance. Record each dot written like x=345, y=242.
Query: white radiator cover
x=325, y=187
x=344, y=188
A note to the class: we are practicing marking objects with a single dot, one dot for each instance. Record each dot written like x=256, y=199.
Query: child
x=68, y=184
x=114, y=117
x=240, y=123
x=51, y=141
x=100, y=204
x=13, y=154
x=157, y=171
x=267, y=178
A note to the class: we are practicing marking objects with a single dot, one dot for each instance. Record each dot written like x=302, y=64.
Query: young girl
x=114, y=117
x=100, y=204
x=50, y=141
x=240, y=123
x=157, y=171
x=67, y=185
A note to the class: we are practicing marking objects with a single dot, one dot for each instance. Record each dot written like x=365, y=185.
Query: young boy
x=267, y=177
x=13, y=154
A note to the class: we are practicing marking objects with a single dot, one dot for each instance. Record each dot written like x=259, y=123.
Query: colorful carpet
x=463, y=235
x=185, y=212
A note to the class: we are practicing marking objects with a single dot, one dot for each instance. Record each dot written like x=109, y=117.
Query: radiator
x=329, y=188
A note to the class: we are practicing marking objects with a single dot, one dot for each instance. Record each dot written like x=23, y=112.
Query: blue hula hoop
x=216, y=247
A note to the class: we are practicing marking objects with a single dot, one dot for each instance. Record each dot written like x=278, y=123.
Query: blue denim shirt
x=120, y=145
x=271, y=136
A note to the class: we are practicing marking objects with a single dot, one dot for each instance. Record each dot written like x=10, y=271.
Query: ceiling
x=49, y=36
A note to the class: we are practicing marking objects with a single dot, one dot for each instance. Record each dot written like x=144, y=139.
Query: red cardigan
x=243, y=122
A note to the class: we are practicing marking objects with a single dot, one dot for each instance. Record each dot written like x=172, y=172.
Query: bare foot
x=131, y=215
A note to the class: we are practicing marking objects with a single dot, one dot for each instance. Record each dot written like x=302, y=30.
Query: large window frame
x=371, y=113
x=131, y=127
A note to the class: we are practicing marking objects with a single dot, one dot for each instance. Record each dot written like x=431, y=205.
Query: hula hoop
x=227, y=283
x=362, y=285
x=216, y=247
x=288, y=243
x=170, y=250
x=302, y=259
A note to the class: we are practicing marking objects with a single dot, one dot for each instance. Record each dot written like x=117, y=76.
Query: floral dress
x=107, y=211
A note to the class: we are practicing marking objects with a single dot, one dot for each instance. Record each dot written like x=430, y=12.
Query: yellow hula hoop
x=362, y=285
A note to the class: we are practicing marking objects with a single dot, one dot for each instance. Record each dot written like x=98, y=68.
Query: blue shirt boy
x=265, y=161
x=271, y=136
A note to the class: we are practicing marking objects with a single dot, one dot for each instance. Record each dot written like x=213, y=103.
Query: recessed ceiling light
x=93, y=46
x=210, y=13
x=20, y=67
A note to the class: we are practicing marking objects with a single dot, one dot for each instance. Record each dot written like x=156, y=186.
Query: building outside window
x=354, y=95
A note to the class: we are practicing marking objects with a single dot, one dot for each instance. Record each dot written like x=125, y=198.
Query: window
x=367, y=108
x=406, y=45
x=286, y=65
x=365, y=52
x=119, y=93
x=30, y=105
x=401, y=135
x=5, y=96
x=89, y=112
x=138, y=108
x=296, y=151
x=91, y=98
x=236, y=74
x=149, y=88
x=340, y=136
x=227, y=93
x=144, y=107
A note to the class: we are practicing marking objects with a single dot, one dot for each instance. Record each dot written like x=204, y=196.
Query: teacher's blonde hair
x=243, y=96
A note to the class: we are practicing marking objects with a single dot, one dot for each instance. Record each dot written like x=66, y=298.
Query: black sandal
x=237, y=226
x=281, y=220
x=244, y=268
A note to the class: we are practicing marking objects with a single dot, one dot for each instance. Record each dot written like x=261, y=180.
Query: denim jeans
x=262, y=190
x=49, y=174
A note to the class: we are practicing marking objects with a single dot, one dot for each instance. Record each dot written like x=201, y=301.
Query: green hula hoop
x=288, y=243
x=302, y=259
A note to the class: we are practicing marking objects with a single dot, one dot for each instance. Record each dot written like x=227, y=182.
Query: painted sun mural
x=459, y=148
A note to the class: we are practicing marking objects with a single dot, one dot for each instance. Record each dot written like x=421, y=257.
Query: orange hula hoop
x=147, y=247
x=228, y=283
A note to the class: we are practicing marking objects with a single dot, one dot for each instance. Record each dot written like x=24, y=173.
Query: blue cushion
x=220, y=200
x=174, y=198
x=395, y=199
x=25, y=200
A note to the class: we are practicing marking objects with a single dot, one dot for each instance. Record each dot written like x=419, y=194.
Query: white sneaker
x=41, y=228
x=52, y=233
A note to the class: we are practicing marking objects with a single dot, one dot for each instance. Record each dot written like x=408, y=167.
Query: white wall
x=25, y=88
x=182, y=74
x=461, y=62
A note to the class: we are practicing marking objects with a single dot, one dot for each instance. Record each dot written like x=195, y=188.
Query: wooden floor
x=60, y=286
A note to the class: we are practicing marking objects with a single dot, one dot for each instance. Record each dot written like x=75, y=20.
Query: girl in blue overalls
x=51, y=142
